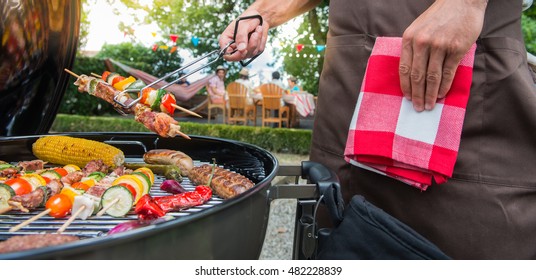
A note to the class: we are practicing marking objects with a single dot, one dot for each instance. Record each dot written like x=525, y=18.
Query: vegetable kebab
x=158, y=122
x=157, y=99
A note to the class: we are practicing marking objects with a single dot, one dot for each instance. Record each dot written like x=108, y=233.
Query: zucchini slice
x=6, y=192
x=124, y=201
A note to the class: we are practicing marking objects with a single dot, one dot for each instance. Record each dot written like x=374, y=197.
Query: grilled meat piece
x=72, y=177
x=97, y=190
x=161, y=123
x=225, y=183
x=31, y=165
x=27, y=242
x=95, y=166
x=9, y=172
x=170, y=157
x=55, y=186
x=33, y=199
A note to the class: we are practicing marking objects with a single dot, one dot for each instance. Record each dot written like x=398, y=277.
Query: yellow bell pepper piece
x=122, y=85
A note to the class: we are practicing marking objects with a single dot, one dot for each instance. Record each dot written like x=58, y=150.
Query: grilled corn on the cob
x=70, y=150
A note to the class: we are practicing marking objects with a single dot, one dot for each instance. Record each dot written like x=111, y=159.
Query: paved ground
x=279, y=239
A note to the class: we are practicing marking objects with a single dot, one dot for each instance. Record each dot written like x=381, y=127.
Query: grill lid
x=39, y=40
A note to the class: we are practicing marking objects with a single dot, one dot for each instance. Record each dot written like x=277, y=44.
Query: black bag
x=367, y=232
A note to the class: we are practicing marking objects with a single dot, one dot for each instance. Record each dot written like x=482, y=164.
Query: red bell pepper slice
x=148, y=209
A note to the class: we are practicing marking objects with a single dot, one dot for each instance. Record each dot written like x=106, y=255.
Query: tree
x=203, y=21
x=307, y=64
x=197, y=23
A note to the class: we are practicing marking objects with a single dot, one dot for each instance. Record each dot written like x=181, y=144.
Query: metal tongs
x=220, y=52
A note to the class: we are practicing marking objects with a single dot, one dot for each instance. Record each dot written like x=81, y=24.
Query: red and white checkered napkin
x=389, y=137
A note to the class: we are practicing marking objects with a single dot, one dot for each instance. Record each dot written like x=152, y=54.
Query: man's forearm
x=277, y=12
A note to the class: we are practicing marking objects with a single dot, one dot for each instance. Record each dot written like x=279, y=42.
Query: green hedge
x=278, y=140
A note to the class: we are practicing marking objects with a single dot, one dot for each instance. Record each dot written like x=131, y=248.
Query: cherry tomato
x=117, y=79
x=60, y=205
x=19, y=185
x=62, y=171
x=145, y=95
x=130, y=188
x=167, y=102
x=105, y=75
x=80, y=186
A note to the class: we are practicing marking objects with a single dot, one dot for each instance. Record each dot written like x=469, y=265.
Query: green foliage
x=84, y=25
x=294, y=141
x=203, y=19
x=75, y=123
x=307, y=64
x=528, y=24
x=75, y=102
x=157, y=63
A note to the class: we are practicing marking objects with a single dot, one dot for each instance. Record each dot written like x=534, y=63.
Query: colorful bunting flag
x=299, y=47
x=195, y=41
x=320, y=48
x=173, y=37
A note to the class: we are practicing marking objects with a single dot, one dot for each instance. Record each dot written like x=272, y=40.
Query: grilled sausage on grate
x=225, y=183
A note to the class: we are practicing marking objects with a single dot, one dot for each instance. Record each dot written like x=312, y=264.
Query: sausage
x=170, y=157
x=226, y=184
x=27, y=242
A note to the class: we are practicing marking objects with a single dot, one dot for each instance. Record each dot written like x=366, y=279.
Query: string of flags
x=195, y=40
x=319, y=48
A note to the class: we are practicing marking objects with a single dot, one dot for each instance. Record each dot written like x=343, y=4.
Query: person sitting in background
x=293, y=85
x=253, y=94
x=183, y=82
x=217, y=86
x=276, y=79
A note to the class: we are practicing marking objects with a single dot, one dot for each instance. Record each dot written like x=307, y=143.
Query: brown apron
x=488, y=209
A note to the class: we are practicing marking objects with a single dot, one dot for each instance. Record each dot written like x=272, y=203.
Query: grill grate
x=93, y=226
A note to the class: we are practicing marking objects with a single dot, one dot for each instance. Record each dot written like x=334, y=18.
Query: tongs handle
x=236, y=30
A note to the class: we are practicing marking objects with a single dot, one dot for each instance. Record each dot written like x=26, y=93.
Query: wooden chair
x=239, y=110
x=271, y=89
x=211, y=105
x=273, y=111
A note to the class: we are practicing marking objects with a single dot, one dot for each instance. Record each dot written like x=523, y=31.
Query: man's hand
x=434, y=44
x=245, y=47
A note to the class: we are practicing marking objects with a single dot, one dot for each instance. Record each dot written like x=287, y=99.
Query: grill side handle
x=328, y=187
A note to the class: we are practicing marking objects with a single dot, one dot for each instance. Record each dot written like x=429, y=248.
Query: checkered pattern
x=389, y=137
x=305, y=104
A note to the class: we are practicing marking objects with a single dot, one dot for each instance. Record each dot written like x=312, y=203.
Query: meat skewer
x=166, y=103
x=59, y=204
x=158, y=122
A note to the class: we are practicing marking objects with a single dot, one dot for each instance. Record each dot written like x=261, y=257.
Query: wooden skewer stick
x=96, y=75
x=18, y=206
x=104, y=209
x=30, y=220
x=72, y=73
x=5, y=210
x=71, y=219
x=183, y=135
x=186, y=110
